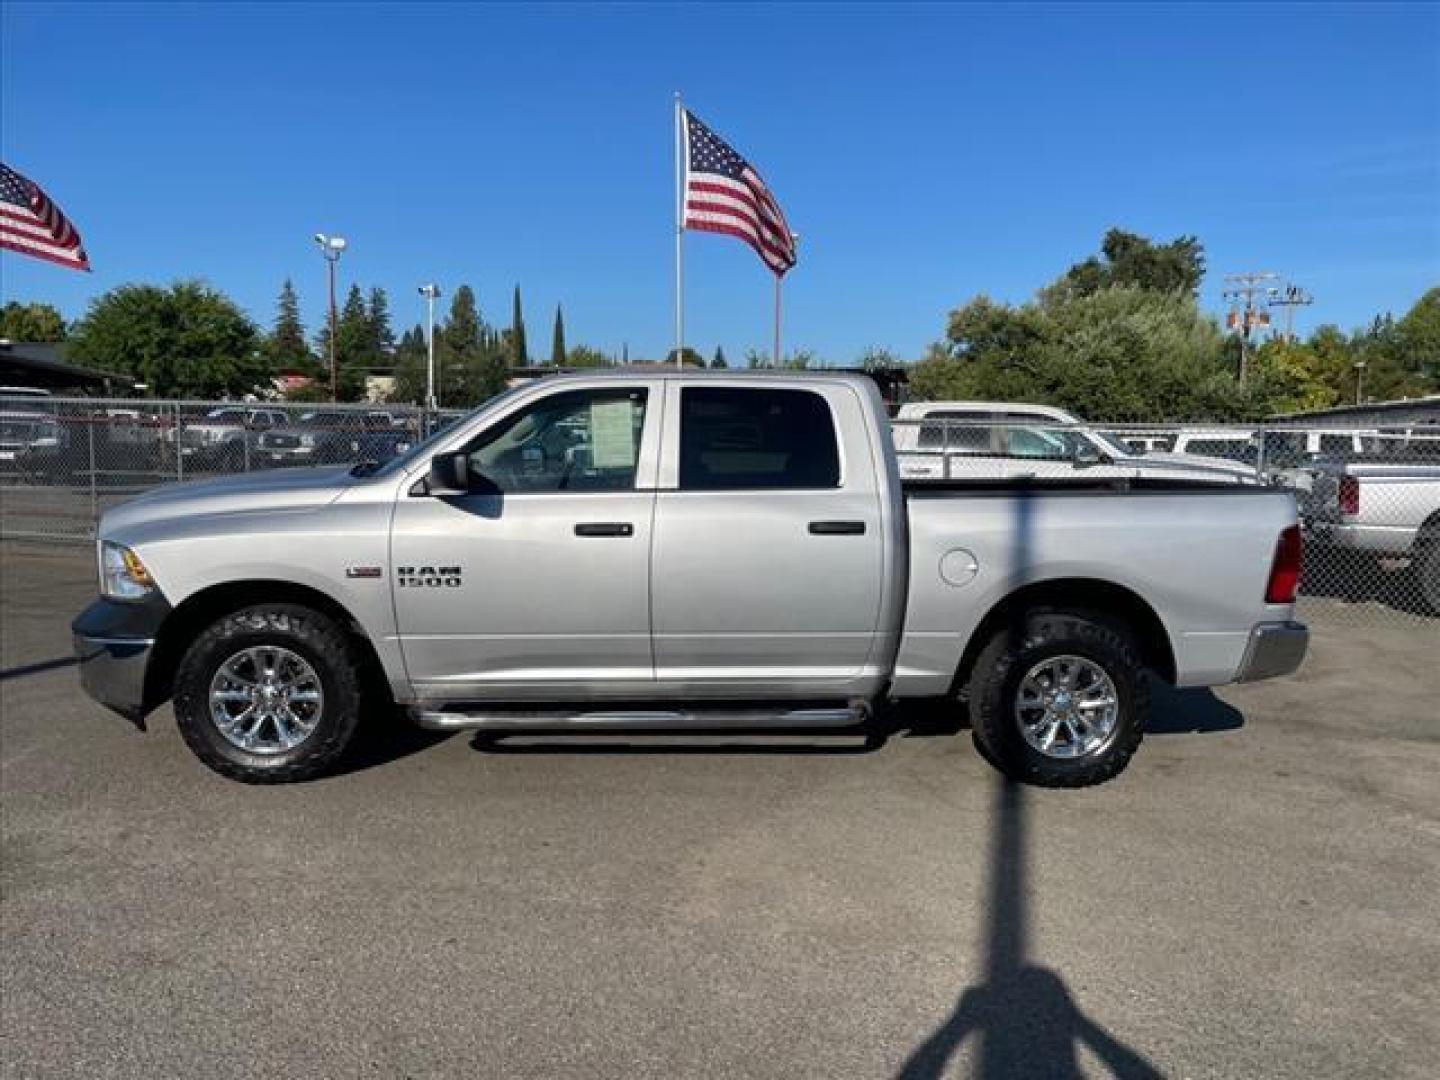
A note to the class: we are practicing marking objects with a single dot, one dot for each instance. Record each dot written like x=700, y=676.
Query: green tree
x=519, y=351
x=286, y=345
x=461, y=332
x=878, y=358
x=692, y=358
x=31, y=322
x=557, y=343
x=1123, y=353
x=471, y=358
x=187, y=340
x=382, y=338
x=411, y=363
x=718, y=361
x=583, y=356
x=1419, y=338
x=1128, y=259
x=799, y=360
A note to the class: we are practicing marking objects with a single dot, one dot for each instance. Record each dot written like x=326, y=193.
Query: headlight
x=122, y=575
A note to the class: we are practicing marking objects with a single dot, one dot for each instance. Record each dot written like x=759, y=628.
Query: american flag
x=33, y=225
x=724, y=194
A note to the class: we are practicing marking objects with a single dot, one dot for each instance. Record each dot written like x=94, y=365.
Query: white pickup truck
x=680, y=551
x=953, y=440
x=1388, y=509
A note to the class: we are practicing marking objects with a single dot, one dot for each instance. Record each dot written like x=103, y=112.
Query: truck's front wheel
x=269, y=694
x=1059, y=700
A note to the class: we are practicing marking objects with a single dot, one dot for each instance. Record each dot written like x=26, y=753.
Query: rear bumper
x=1275, y=649
x=113, y=642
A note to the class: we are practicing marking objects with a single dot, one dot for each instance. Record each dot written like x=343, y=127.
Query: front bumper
x=1275, y=649
x=114, y=642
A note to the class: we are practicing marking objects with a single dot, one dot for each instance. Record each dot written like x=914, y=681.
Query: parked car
x=1225, y=444
x=688, y=551
x=33, y=441
x=1142, y=442
x=222, y=438
x=953, y=439
x=332, y=436
x=1383, y=509
x=1288, y=455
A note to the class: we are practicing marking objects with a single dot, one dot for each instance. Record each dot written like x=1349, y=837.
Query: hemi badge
x=363, y=571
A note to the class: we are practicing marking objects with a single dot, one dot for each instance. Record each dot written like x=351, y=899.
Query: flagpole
x=679, y=231
x=778, y=279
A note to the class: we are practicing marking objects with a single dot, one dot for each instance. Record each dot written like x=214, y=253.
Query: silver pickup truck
x=1388, y=509
x=680, y=552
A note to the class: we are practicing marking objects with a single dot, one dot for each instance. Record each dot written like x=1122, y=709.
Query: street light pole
x=330, y=248
x=431, y=293
x=1359, y=382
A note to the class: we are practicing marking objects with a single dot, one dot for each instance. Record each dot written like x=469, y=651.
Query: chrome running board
x=691, y=718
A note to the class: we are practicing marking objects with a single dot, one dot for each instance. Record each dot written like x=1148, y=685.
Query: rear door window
x=751, y=439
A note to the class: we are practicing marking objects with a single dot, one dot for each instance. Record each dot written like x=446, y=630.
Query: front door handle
x=837, y=528
x=604, y=528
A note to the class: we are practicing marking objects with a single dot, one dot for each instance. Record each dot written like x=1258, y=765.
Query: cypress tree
x=719, y=361
x=520, y=354
x=557, y=348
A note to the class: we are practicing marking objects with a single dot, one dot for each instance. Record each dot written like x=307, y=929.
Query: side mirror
x=449, y=474
x=1086, y=455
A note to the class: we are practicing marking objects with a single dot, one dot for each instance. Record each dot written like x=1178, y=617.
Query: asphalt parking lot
x=1257, y=896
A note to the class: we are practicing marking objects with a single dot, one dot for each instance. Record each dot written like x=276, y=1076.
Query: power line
x=1244, y=288
x=1291, y=297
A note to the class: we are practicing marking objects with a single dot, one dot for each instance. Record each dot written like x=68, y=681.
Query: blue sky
x=924, y=153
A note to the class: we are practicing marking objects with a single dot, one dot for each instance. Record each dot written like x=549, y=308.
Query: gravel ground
x=1257, y=896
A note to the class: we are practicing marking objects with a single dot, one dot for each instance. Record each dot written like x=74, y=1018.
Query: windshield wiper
x=365, y=468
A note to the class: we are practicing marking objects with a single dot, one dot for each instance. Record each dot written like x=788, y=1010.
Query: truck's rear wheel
x=1059, y=700
x=269, y=694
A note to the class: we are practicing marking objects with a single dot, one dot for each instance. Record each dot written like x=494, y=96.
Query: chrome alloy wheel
x=1067, y=707
x=266, y=699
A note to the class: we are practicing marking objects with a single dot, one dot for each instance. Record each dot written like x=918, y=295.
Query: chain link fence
x=63, y=461
x=1369, y=497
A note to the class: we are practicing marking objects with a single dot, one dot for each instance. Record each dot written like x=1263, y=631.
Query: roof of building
x=42, y=364
x=1425, y=410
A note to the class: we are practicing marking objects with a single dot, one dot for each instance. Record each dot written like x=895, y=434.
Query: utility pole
x=1291, y=297
x=431, y=292
x=1243, y=289
x=331, y=247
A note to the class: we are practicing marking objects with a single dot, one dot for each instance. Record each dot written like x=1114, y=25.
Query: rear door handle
x=837, y=528
x=604, y=528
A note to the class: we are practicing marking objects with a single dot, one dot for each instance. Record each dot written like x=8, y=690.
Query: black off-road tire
x=310, y=634
x=1002, y=666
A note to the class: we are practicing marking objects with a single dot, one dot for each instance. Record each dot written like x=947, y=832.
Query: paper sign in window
x=612, y=435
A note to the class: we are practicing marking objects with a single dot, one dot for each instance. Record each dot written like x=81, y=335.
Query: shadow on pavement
x=1356, y=578
x=385, y=740
x=1192, y=711
x=38, y=668
x=1022, y=1017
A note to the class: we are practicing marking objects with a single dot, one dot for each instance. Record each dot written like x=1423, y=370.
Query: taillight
x=1349, y=498
x=1285, y=570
